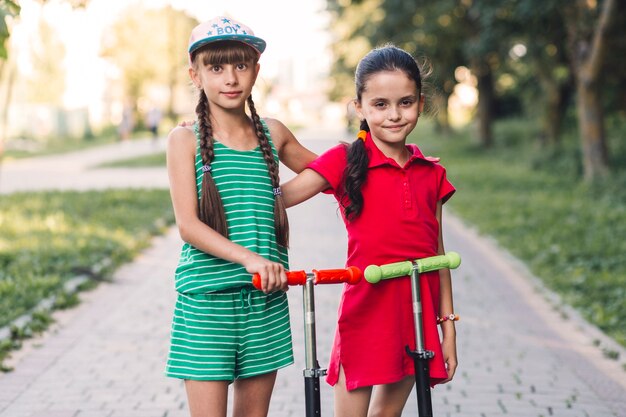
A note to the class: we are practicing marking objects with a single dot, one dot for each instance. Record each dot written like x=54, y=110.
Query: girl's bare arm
x=290, y=151
x=446, y=307
x=304, y=186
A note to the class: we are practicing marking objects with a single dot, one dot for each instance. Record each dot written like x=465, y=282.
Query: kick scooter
x=312, y=371
x=421, y=356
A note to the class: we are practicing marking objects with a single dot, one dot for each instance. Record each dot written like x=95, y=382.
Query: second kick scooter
x=421, y=356
x=312, y=371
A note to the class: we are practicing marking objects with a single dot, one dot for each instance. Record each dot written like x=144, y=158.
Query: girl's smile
x=232, y=94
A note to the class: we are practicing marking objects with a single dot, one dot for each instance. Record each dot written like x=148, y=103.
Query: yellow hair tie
x=361, y=135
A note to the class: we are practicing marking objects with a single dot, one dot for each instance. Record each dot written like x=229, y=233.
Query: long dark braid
x=385, y=58
x=281, y=222
x=355, y=176
x=210, y=207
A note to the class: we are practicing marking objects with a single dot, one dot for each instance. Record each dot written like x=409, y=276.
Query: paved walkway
x=518, y=355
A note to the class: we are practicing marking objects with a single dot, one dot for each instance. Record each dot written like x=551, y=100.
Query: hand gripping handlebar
x=350, y=275
x=374, y=273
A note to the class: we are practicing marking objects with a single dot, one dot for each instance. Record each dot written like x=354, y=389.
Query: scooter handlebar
x=293, y=278
x=375, y=273
x=350, y=275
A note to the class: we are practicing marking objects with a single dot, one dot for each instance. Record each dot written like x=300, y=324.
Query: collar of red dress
x=378, y=158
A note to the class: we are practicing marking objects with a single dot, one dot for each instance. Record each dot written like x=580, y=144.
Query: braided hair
x=384, y=58
x=211, y=209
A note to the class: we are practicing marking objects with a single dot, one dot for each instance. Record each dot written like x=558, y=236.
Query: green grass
x=48, y=238
x=534, y=203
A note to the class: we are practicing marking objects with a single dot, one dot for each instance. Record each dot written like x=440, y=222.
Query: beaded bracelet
x=451, y=317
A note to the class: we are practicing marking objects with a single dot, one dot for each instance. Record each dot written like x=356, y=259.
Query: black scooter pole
x=421, y=357
x=312, y=371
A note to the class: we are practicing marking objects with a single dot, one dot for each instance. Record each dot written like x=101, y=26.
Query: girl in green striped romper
x=225, y=191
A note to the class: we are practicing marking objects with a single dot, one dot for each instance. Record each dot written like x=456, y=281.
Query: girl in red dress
x=391, y=199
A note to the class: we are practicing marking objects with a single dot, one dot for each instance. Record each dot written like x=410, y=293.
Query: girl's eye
x=380, y=104
x=407, y=103
x=216, y=68
x=242, y=66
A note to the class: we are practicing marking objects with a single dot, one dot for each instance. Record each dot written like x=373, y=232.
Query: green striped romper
x=223, y=328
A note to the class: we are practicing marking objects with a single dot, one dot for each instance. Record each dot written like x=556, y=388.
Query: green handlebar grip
x=450, y=260
x=375, y=273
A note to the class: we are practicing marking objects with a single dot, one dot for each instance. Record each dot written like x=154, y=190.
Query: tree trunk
x=4, y=115
x=554, y=99
x=551, y=123
x=2, y=126
x=587, y=61
x=486, y=96
x=442, y=120
x=592, y=135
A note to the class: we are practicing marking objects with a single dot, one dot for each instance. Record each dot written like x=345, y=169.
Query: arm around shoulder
x=304, y=186
x=290, y=151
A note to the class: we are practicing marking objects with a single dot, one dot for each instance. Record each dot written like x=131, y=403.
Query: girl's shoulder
x=181, y=137
x=180, y=133
x=335, y=156
x=279, y=133
x=337, y=151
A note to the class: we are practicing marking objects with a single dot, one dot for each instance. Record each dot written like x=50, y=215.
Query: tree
x=8, y=9
x=11, y=9
x=47, y=81
x=540, y=28
x=147, y=46
x=587, y=25
x=354, y=36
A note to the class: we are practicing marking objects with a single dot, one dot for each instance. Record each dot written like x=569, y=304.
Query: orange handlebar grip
x=293, y=278
x=350, y=275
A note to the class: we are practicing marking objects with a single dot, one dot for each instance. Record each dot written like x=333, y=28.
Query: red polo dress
x=398, y=223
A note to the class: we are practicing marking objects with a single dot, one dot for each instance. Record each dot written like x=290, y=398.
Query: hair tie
x=206, y=168
x=361, y=135
x=277, y=191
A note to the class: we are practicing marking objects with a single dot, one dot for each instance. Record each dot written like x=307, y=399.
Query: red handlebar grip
x=296, y=277
x=293, y=278
x=351, y=275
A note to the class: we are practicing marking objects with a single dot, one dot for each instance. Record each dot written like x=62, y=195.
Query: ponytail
x=355, y=175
